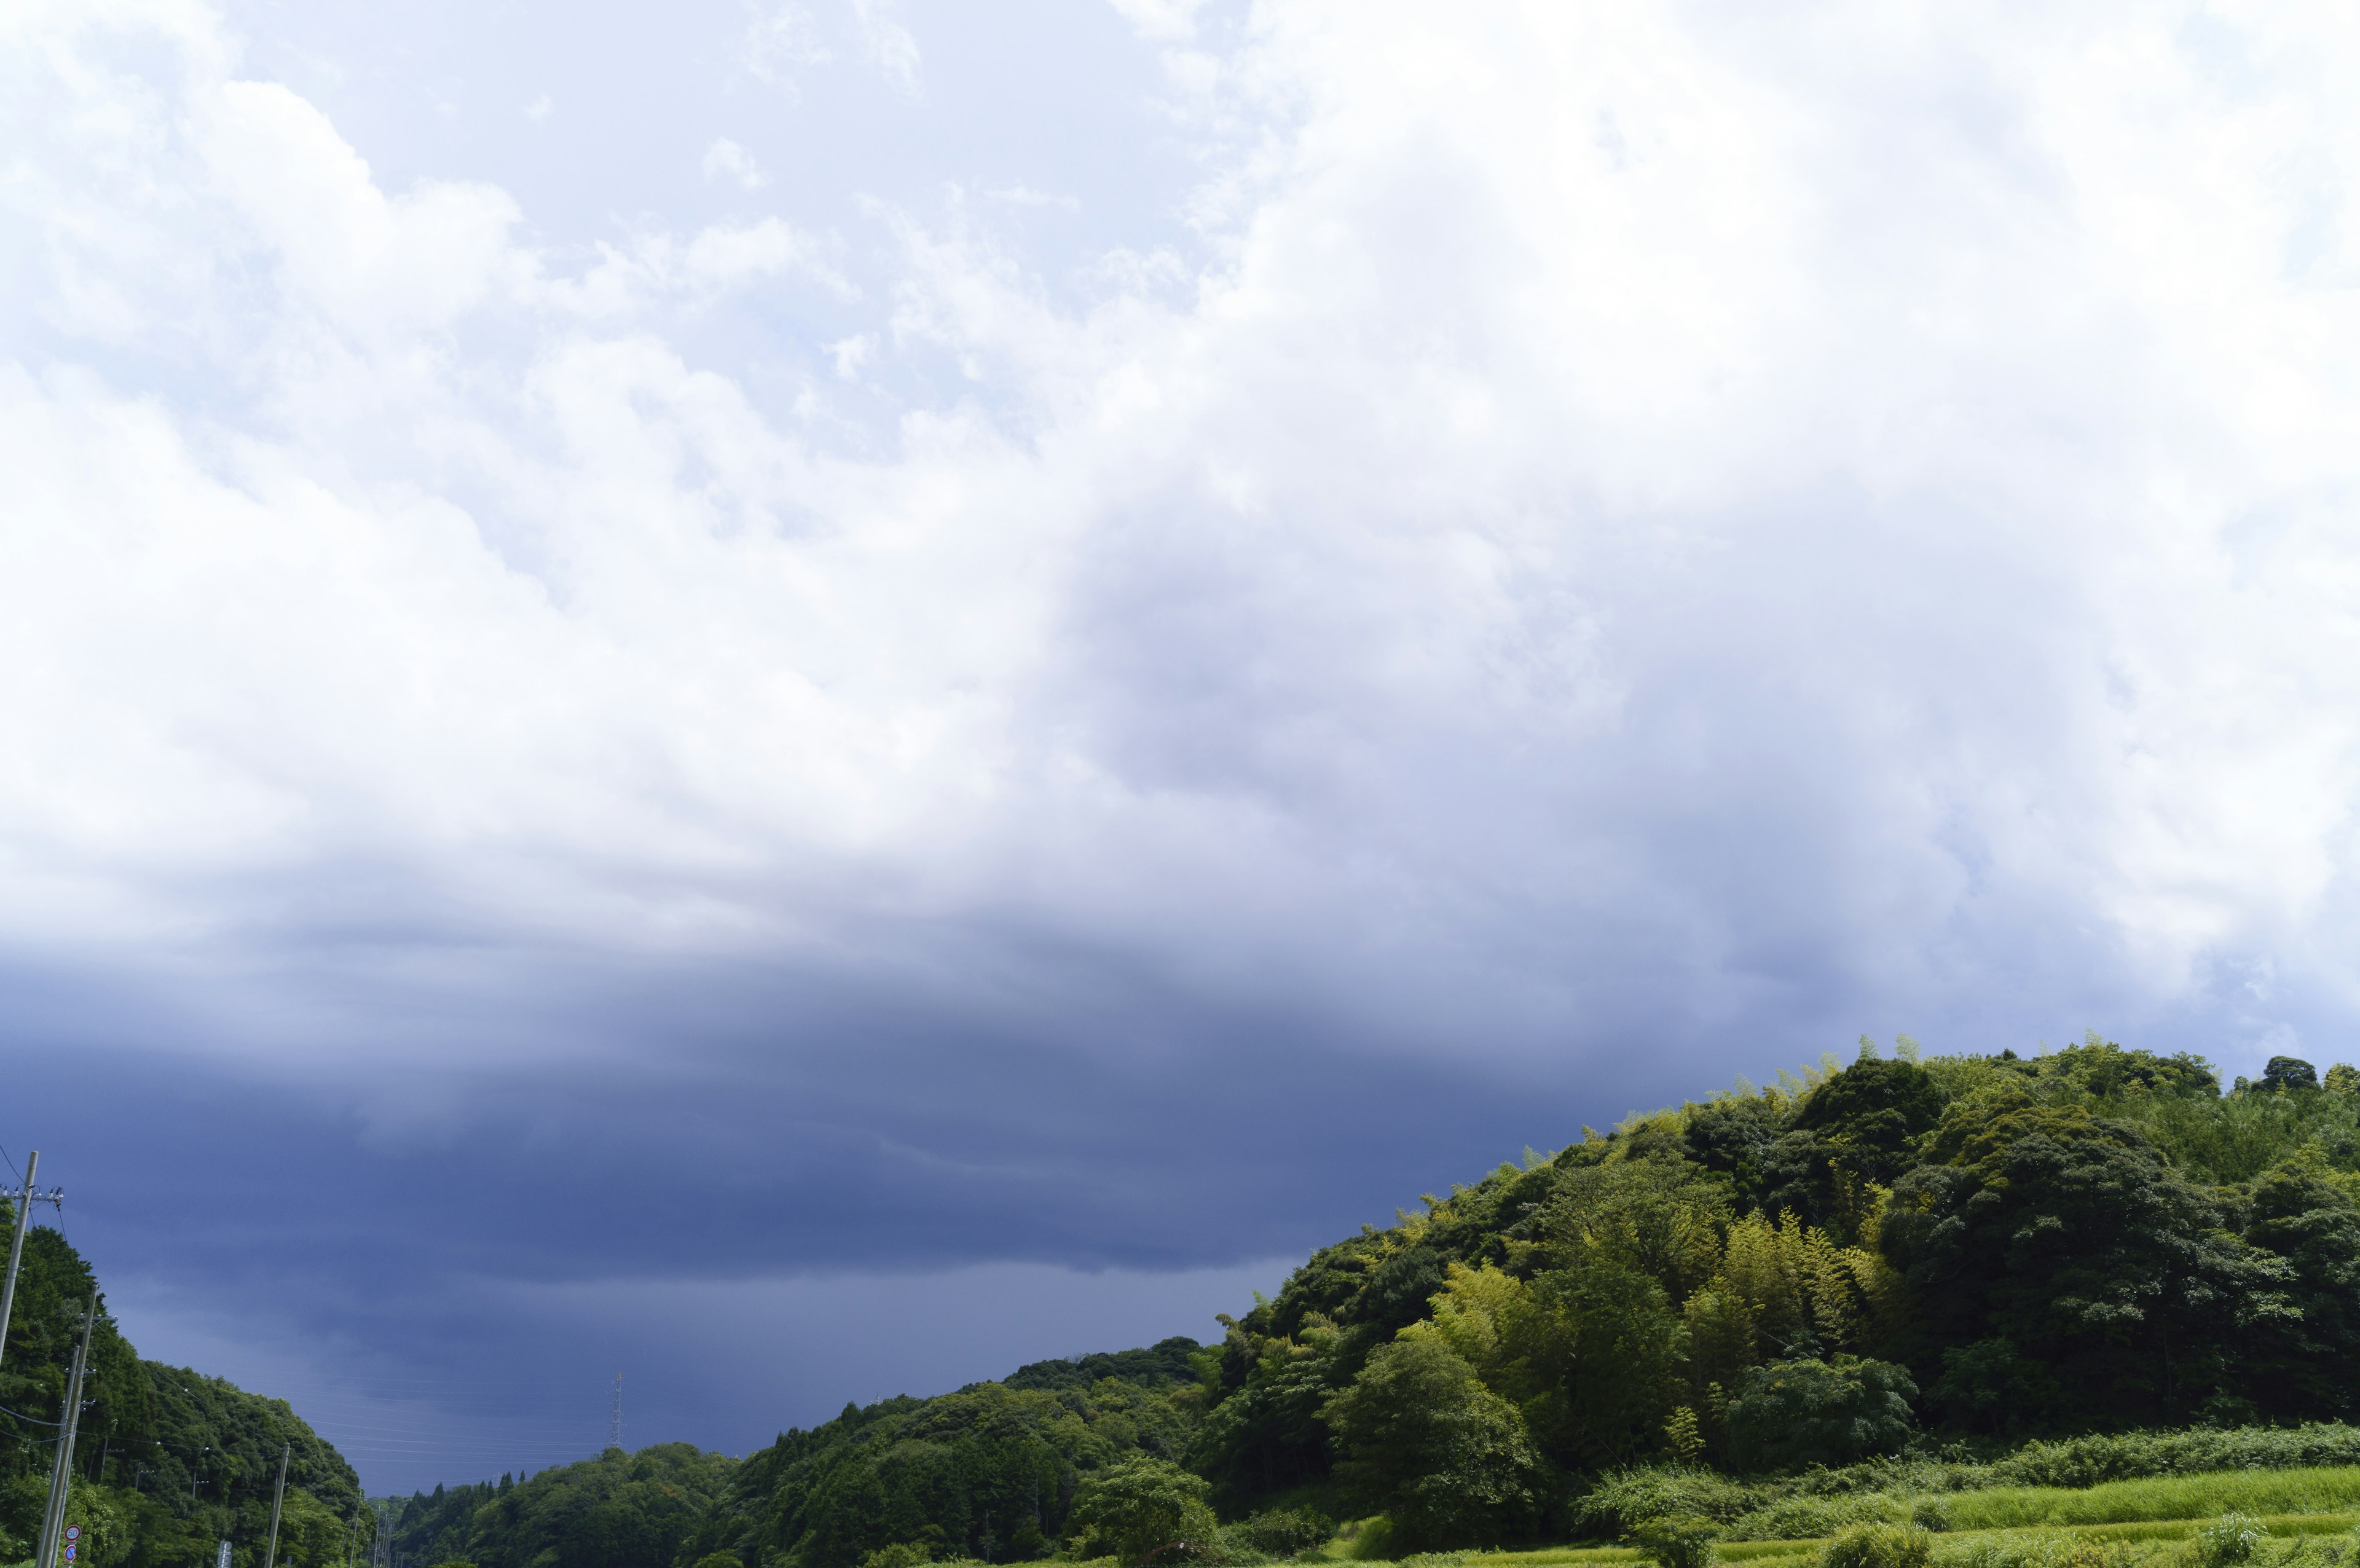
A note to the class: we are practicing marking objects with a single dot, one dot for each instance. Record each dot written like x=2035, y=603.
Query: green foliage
x=1447, y=1457
x=2229, y=1539
x=1676, y=1541
x=1792, y=1413
x=1660, y=1218
x=2073, y=1243
x=900, y=1554
x=1619, y=1502
x=1283, y=1532
x=2071, y=1238
x=1879, y=1546
x=2283, y=1072
x=617, y=1510
x=2307, y=1355
x=1859, y=1127
x=1166, y=1364
x=989, y=1473
x=1603, y=1361
x=166, y=1461
x=1140, y=1507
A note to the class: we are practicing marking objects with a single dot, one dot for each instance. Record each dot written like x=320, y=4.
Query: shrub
x=2231, y=1538
x=1622, y=1501
x=1793, y=1413
x=1373, y=1540
x=1879, y=1546
x=901, y=1555
x=1801, y=1518
x=1676, y=1543
x=1142, y=1508
x=1283, y=1532
x=1422, y=1438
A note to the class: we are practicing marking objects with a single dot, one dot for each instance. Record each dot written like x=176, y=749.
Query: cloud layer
x=1572, y=555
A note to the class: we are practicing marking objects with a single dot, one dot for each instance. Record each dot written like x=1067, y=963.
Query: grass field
x=2310, y=1514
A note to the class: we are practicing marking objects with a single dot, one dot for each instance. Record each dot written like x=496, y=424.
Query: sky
x=800, y=700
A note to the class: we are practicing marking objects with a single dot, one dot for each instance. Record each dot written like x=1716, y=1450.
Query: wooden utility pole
x=61, y=1474
x=17, y=1245
x=271, y=1558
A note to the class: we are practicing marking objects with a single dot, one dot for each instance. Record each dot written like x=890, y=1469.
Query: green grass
x=2159, y=1510
x=2314, y=1491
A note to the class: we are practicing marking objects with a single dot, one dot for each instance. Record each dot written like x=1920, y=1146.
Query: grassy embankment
x=2311, y=1515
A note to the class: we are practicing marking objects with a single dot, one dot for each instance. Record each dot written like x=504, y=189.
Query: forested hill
x=1963, y=1251
x=1988, y=1248
x=167, y=1461
x=987, y=1472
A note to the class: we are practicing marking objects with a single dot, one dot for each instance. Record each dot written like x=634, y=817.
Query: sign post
x=73, y=1542
x=222, y=1560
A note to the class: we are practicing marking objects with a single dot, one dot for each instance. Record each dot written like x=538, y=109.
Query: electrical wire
x=37, y=1421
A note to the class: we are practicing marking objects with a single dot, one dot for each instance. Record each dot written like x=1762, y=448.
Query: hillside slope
x=167, y=1461
x=1955, y=1255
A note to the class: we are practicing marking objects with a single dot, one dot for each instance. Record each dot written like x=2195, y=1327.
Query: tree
x=1660, y=1216
x=1600, y=1359
x=1855, y=1131
x=1139, y=1506
x=1793, y=1413
x=1267, y=1434
x=1987, y=1388
x=2306, y=1362
x=1732, y=1137
x=2289, y=1073
x=2343, y=1079
x=1424, y=1439
x=2071, y=1238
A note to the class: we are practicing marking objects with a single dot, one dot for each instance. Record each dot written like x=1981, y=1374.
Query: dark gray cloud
x=464, y=1246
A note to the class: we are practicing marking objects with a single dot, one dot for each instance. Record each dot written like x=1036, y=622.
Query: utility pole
x=271, y=1558
x=16, y=1246
x=61, y=1474
x=615, y=1421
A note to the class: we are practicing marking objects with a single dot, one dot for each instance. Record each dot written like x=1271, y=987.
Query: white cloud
x=1648, y=511
x=725, y=159
x=851, y=354
x=888, y=41
x=779, y=41
x=1166, y=21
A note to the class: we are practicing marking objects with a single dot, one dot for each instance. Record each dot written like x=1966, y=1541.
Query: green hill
x=167, y=1462
x=1856, y=1297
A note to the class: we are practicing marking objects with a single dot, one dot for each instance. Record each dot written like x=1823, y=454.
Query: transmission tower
x=615, y=1420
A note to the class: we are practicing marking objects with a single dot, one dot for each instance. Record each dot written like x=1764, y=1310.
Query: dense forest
x=1937, y=1255
x=167, y=1462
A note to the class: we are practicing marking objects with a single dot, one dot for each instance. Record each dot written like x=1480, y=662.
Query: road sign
x=223, y=1560
x=73, y=1540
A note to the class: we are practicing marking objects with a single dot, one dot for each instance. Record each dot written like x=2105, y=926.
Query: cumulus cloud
x=725, y=159
x=1625, y=486
x=888, y=42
